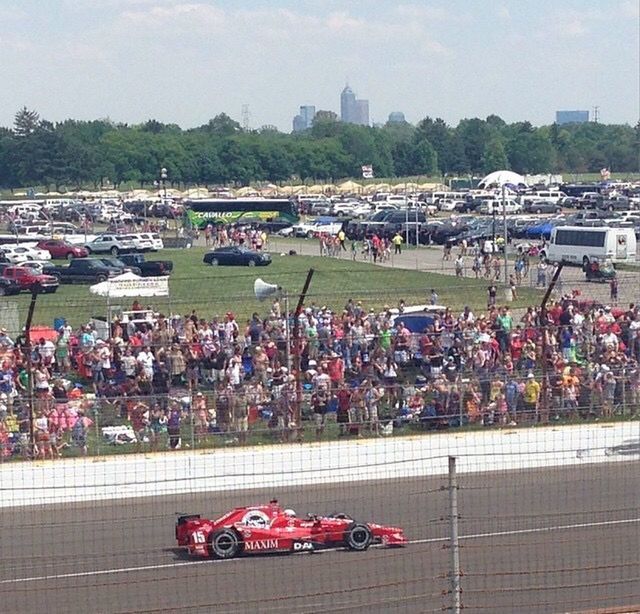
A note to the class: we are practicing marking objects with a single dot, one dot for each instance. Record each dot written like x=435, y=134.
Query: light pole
x=504, y=222
x=163, y=181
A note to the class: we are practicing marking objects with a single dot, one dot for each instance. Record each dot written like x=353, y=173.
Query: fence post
x=456, y=604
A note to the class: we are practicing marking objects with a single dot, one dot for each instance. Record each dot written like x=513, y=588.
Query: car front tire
x=114, y=251
x=214, y=262
x=358, y=537
x=225, y=544
x=251, y=263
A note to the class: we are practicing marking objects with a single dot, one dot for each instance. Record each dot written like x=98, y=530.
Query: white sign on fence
x=132, y=285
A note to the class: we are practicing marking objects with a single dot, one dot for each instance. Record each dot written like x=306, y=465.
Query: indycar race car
x=268, y=528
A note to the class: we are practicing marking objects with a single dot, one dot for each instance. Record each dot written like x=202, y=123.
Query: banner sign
x=145, y=286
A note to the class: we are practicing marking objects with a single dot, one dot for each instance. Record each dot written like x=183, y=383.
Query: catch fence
x=531, y=520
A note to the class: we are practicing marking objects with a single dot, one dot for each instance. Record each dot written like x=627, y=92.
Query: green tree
x=494, y=157
x=25, y=122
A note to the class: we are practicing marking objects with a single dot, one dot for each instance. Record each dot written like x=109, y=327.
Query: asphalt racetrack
x=546, y=540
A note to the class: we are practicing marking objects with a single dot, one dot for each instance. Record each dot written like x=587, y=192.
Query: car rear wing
x=182, y=520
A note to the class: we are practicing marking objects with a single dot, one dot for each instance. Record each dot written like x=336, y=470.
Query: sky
x=185, y=61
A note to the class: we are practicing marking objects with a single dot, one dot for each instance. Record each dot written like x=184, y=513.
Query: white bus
x=582, y=244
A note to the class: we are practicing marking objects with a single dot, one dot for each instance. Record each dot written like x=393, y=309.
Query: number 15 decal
x=198, y=537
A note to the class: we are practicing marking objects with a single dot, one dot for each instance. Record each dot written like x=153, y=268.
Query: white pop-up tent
x=499, y=178
x=128, y=285
x=131, y=285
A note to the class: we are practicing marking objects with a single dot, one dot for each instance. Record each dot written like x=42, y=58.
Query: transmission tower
x=246, y=117
x=596, y=114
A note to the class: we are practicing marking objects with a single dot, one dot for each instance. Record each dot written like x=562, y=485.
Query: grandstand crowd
x=187, y=380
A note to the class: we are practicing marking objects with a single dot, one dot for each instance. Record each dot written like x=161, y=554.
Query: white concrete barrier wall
x=166, y=473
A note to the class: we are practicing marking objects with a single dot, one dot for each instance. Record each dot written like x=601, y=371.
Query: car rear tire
x=358, y=537
x=225, y=544
x=69, y=256
x=101, y=278
x=251, y=263
x=538, y=211
x=114, y=251
x=214, y=262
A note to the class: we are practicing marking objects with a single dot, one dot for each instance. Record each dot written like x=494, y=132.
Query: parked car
x=616, y=203
x=236, y=256
x=85, y=270
x=491, y=206
x=60, y=249
x=116, y=263
x=142, y=240
x=147, y=268
x=110, y=243
x=156, y=240
x=541, y=206
x=22, y=253
x=28, y=280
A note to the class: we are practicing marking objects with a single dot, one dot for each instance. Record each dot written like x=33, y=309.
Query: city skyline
x=184, y=62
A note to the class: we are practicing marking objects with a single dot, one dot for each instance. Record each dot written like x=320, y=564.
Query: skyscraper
x=572, y=117
x=362, y=112
x=347, y=105
x=353, y=110
x=304, y=120
x=308, y=112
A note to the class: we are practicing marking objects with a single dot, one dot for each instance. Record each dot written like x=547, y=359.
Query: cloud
x=503, y=13
x=630, y=8
x=418, y=11
x=180, y=14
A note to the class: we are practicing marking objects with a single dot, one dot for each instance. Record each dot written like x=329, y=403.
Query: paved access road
x=552, y=540
x=429, y=259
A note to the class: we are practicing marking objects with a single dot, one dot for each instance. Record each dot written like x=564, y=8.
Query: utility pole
x=596, y=114
x=454, y=543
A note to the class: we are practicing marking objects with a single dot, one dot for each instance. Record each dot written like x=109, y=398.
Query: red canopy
x=42, y=332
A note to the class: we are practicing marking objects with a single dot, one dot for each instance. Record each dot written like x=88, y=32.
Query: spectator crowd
x=173, y=381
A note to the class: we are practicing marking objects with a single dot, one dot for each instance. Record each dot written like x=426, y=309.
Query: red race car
x=268, y=528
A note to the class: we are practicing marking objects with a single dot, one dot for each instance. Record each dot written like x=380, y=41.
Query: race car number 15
x=198, y=537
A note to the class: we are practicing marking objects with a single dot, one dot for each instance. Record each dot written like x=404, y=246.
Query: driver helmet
x=289, y=512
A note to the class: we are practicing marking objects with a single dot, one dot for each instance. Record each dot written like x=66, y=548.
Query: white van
x=582, y=244
x=550, y=196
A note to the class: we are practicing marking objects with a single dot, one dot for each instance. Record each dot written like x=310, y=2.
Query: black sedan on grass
x=236, y=256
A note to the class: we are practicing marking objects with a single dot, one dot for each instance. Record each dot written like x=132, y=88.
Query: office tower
x=352, y=109
x=304, y=120
x=347, y=105
x=572, y=117
x=362, y=112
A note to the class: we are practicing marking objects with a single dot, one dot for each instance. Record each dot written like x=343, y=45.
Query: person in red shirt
x=336, y=369
x=344, y=406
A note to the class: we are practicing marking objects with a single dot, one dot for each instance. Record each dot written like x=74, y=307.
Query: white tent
x=500, y=178
x=131, y=285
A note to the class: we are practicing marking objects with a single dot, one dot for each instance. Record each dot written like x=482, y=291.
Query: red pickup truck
x=27, y=279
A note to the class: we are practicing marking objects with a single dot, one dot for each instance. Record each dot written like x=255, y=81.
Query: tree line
x=75, y=153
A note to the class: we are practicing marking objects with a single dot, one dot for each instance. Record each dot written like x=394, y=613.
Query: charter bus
x=199, y=213
x=582, y=244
